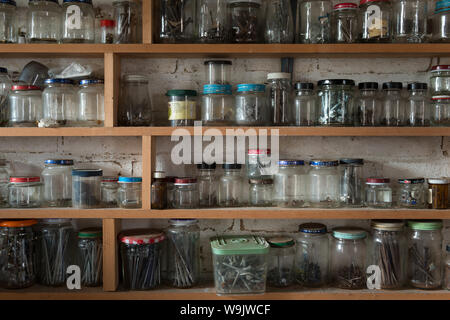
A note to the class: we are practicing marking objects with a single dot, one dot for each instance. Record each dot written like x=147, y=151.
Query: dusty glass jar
x=324, y=184
x=290, y=184
x=393, y=112
x=86, y=188
x=182, y=106
x=218, y=71
x=368, y=106
x=409, y=21
x=109, y=189
x=281, y=262
x=5, y=89
x=78, y=19
x=375, y=20
x=260, y=193
x=212, y=21
x=352, y=185
x=305, y=105
x=44, y=21
x=57, y=179
x=128, y=17
x=130, y=192
x=258, y=163
x=438, y=191
x=90, y=254
x=177, y=20
x=440, y=111
x=59, y=102
x=336, y=102
x=107, y=31
x=7, y=21
x=207, y=185
x=25, y=106
x=186, y=194
x=440, y=79
x=246, y=21
x=412, y=193
x=4, y=184
x=25, y=192
x=218, y=106
x=91, y=103
x=251, y=105
x=135, y=106
x=231, y=188
x=417, y=105
x=378, y=193
x=160, y=191
x=314, y=23
x=441, y=22
x=279, y=26
x=281, y=99
x=344, y=23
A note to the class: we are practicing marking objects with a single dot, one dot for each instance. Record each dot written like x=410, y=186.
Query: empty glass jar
x=218, y=71
x=409, y=21
x=261, y=190
x=182, y=107
x=86, y=188
x=44, y=21
x=246, y=20
x=91, y=103
x=378, y=193
x=177, y=19
x=130, y=192
x=417, y=105
x=393, y=105
x=279, y=22
x=344, y=23
x=59, y=102
x=109, y=189
x=336, y=102
x=218, y=105
x=57, y=179
x=368, y=105
x=135, y=106
x=212, y=21
x=280, y=97
x=411, y=193
x=25, y=192
x=185, y=194
x=352, y=184
x=78, y=21
x=324, y=184
x=281, y=262
x=305, y=105
x=440, y=80
x=207, y=185
x=251, y=105
x=8, y=21
x=290, y=184
x=25, y=106
x=440, y=111
x=231, y=187
x=375, y=20
x=128, y=17
x=314, y=24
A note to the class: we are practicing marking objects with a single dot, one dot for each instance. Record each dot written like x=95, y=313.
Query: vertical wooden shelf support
x=111, y=228
x=147, y=21
x=148, y=162
x=112, y=86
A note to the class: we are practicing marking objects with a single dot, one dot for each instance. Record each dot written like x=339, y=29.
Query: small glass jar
x=182, y=106
x=207, y=185
x=447, y=269
x=324, y=184
x=135, y=106
x=91, y=99
x=280, y=97
x=336, y=102
x=258, y=163
x=130, y=192
x=378, y=193
x=17, y=254
x=231, y=187
x=281, y=262
x=128, y=17
x=183, y=256
x=344, y=23
x=305, y=105
x=78, y=21
x=218, y=71
x=177, y=21
x=440, y=111
x=417, y=106
x=438, y=193
x=212, y=22
x=425, y=254
x=393, y=112
x=409, y=21
x=440, y=23
x=107, y=31
x=218, y=106
x=5, y=89
x=261, y=190
x=279, y=20
x=314, y=24
x=412, y=193
x=368, y=105
x=86, y=188
x=25, y=106
x=7, y=21
x=109, y=189
x=90, y=253
x=251, y=105
x=25, y=192
x=159, y=191
x=352, y=183
x=312, y=256
x=57, y=179
x=186, y=194
x=246, y=23
x=44, y=21
x=440, y=80
x=141, y=252
x=59, y=102
x=290, y=184
x=348, y=254
x=4, y=184
x=375, y=20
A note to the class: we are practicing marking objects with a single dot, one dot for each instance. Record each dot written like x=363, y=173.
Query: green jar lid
x=178, y=93
x=234, y=245
x=425, y=224
x=349, y=233
x=90, y=233
x=281, y=242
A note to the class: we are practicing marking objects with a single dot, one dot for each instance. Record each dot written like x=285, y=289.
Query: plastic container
x=5, y=89
x=78, y=21
x=159, y=191
x=91, y=99
x=135, y=106
x=258, y=163
x=352, y=183
x=177, y=21
x=440, y=80
x=279, y=90
x=344, y=23
x=324, y=184
x=260, y=193
x=109, y=189
x=128, y=17
x=336, y=102
x=7, y=21
x=25, y=106
x=440, y=111
x=218, y=105
x=251, y=105
x=218, y=71
x=59, y=102
x=305, y=105
x=182, y=107
x=231, y=187
x=368, y=111
x=57, y=179
x=409, y=21
x=90, y=252
x=207, y=185
x=314, y=22
x=86, y=188
x=375, y=20
x=378, y=193
x=186, y=194
x=412, y=193
x=438, y=193
x=281, y=262
x=279, y=21
x=130, y=192
x=290, y=184
x=212, y=21
x=246, y=21
x=393, y=112
x=107, y=31
x=25, y=192
x=417, y=105
x=44, y=21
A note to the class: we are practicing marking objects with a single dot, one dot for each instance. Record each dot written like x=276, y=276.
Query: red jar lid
x=24, y=87
x=345, y=5
x=259, y=151
x=378, y=180
x=185, y=180
x=440, y=98
x=107, y=23
x=24, y=179
x=365, y=1
x=143, y=236
x=441, y=67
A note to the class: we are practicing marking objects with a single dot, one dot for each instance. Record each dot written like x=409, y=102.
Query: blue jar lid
x=3, y=70
x=91, y=81
x=324, y=163
x=79, y=1
x=60, y=162
x=314, y=228
x=10, y=2
x=251, y=87
x=217, y=89
x=291, y=163
x=442, y=4
x=62, y=81
x=130, y=179
x=87, y=172
x=349, y=234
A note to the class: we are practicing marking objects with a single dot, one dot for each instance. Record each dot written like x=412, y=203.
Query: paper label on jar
x=375, y=24
x=181, y=110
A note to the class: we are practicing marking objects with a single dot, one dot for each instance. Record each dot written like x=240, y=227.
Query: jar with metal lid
x=91, y=99
x=290, y=184
x=212, y=21
x=186, y=194
x=246, y=20
x=59, y=102
x=279, y=22
x=305, y=105
x=438, y=193
x=440, y=80
x=107, y=31
x=25, y=106
x=393, y=112
x=25, y=192
x=389, y=252
x=440, y=22
x=425, y=254
x=261, y=190
x=130, y=192
x=417, y=106
x=348, y=254
x=281, y=262
x=336, y=102
x=109, y=189
x=251, y=105
x=218, y=72
x=344, y=23
x=183, y=256
x=177, y=21
x=324, y=184
x=314, y=23
x=7, y=21
x=378, y=193
x=375, y=20
x=160, y=191
x=440, y=111
x=78, y=21
x=86, y=188
x=368, y=111
x=17, y=254
x=90, y=253
x=5, y=89
x=258, y=163
x=218, y=107
x=231, y=188
x=411, y=193
x=280, y=97
x=447, y=269
x=207, y=185
x=409, y=21
x=182, y=107
x=141, y=252
x=44, y=21
x=352, y=183
x=57, y=179
x=128, y=17
x=135, y=106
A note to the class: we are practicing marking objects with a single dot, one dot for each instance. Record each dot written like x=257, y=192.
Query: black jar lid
x=392, y=85
x=304, y=86
x=209, y=62
x=351, y=161
x=206, y=166
x=341, y=82
x=417, y=86
x=368, y=86
x=231, y=166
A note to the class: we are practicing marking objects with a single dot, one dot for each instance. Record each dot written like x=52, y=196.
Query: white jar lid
x=278, y=75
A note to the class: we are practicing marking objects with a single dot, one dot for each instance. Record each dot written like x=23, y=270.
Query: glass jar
x=7, y=21
x=425, y=254
x=311, y=261
x=186, y=194
x=135, y=107
x=352, y=184
x=279, y=22
x=218, y=107
x=412, y=193
x=57, y=179
x=231, y=187
x=251, y=105
x=159, y=191
x=409, y=21
x=44, y=21
x=91, y=99
x=258, y=163
x=59, y=102
x=378, y=193
x=393, y=111
x=440, y=111
x=440, y=80
x=348, y=254
x=177, y=21
x=17, y=254
x=336, y=102
x=440, y=24
x=182, y=107
x=4, y=184
x=344, y=23
x=305, y=105
x=280, y=97
x=389, y=252
x=25, y=106
x=281, y=262
x=260, y=194
x=218, y=71
x=447, y=269
x=86, y=188
x=212, y=22
x=130, y=192
x=246, y=25
x=128, y=17
x=324, y=184
x=183, y=257
x=170, y=181
x=78, y=21
x=369, y=106
x=207, y=185
x=107, y=31
x=57, y=248
x=438, y=193
x=417, y=106
x=25, y=192
x=109, y=189
x=5, y=89
x=375, y=20
x=141, y=252
x=290, y=184
x=90, y=252
x=314, y=24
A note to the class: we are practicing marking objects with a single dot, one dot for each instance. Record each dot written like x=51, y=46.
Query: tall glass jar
x=260, y=193
x=369, y=105
x=212, y=21
x=279, y=22
x=218, y=105
x=425, y=254
x=246, y=21
x=86, y=188
x=305, y=105
x=128, y=17
x=207, y=185
x=313, y=23
x=78, y=21
x=159, y=191
x=336, y=102
x=25, y=192
x=375, y=20
x=44, y=21
x=251, y=105
x=90, y=253
x=324, y=184
x=352, y=184
x=7, y=21
x=59, y=102
x=182, y=107
x=130, y=192
x=135, y=107
x=409, y=21
x=440, y=79
x=281, y=262
x=441, y=23
x=440, y=111
x=185, y=194
x=218, y=71
x=231, y=187
x=344, y=23
x=25, y=106
x=110, y=187
x=5, y=89
x=4, y=183
x=57, y=179
x=177, y=21
x=280, y=97
x=91, y=103
x=378, y=193
x=412, y=193
x=393, y=107
x=290, y=184
x=417, y=106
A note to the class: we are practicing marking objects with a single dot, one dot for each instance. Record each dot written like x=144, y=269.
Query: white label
x=374, y=280
x=73, y=17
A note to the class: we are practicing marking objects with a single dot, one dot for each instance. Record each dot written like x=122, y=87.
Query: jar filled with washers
x=182, y=107
x=440, y=111
x=218, y=105
x=258, y=163
x=91, y=103
x=44, y=21
x=130, y=192
x=109, y=189
x=246, y=20
x=186, y=194
x=78, y=21
x=344, y=23
x=57, y=179
x=336, y=102
x=290, y=184
x=8, y=9
x=25, y=192
x=438, y=190
x=440, y=80
x=90, y=254
x=411, y=193
x=378, y=193
x=375, y=20
x=25, y=106
x=352, y=182
x=251, y=105
x=260, y=192
x=281, y=262
x=86, y=188
x=59, y=102
x=324, y=184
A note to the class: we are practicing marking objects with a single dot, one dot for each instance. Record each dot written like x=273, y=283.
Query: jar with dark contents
x=344, y=23
x=107, y=31
x=182, y=107
x=438, y=193
x=417, y=105
x=159, y=191
x=212, y=21
x=368, y=106
x=281, y=262
x=86, y=188
x=393, y=112
x=218, y=72
x=246, y=24
x=177, y=19
x=411, y=193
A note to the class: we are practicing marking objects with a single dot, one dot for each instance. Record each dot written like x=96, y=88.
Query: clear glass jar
x=91, y=101
x=109, y=189
x=177, y=21
x=438, y=191
x=218, y=71
x=44, y=21
x=25, y=106
x=86, y=188
x=440, y=111
x=305, y=105
x=107, y=31
x=344, y=23
x=183, y=257
x=440, y=80
x=280, y=97
x=281, y=262
x=251, y=105
x=369, y=105
x=246, y=20
x=409, y=21
x=231, y=187
x=312, y=256
x=78, y=19
x=25, y=192
x=135, y=107
x=375, y=20
x=290, y=184
x=441, y=23
x=170, y=181
x=393, y=111
x=212, y=22
x=412, y=193
x=182, y=106
x=90, y=253
x=348, y=254
x=425, y=254
x=336, y=102
x=352, y=183
x=128, y=17
x=417, y=106
x=207, y=185
x=447, y=269
x=389, y=252
x=5, y=89
x=17, y=254
x=57, y=179
x=7, y=21
x=258, y=163
x=4, y=184
x=313, y=25
x=160, y=191
x=378, y=193
x=186, y=194
x=260, y=193
x=130, y=192
x=218, y=106
x=59, y=102
x=324, y=184
x=279, y=22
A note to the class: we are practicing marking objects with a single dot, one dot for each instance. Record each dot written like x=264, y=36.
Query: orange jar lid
x=17, y=223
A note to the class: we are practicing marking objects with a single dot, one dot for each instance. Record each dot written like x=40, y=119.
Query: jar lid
x=411, y=181
x=265, y=181
x=185, y=180
x=110, y=179
x=345, y=5
x=231, y=166
x=361, y=2
x=324, y=163
x=244, y=1
x=55, y=1
x=304, y=86
x=87, y=172
x=60, y=162
x=11, y=2
x=291, y=163
x=278, y=75
x=281, y=242
x=315, y=228
x=341, y=82
x=209, y=62
x=259, y=151
x=135, y=78
x=441, y=67
x=368, y=86
x=24, y=179
x=183, y=222
x=377, y=180
x=90, y=233
x=21, y=87
x=58, y=80
x=142, y=236
x=440, y=98
x=387, y=225
x=91, y=81
x=351, y=161
x=217, y=89
x=426, y=225
x=205, y=166
x=80, y=1
x=177, y=93
x=130, y=179
x=438, y=181
x=107, y=23
x=3, y=70
x=56, y=221
x=417, y=86
x=392, y=85
x=159, y=174
x=234, y=245
x=251, y=87
x=349, y=233
x=17, y=223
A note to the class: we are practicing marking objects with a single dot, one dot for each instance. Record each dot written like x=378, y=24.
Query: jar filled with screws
x=305, y=105
x=378, y=193
x=246, y=24
x=279, y=22
x=375, y=17
x=86, y=188
x=78, y=21
x=290, y=184
x=336, y=102
x=5, y=88
x=280, y=97
x=218, y=71
x=130, y=192
x=91, y=103
x=127, y=14
x=440, y=24
x=438, y=193
x=251, y=105
x=25, y=106
x=352, y=183
x=393, y=108
x=231, y=187
x=417, y=106
x=159, y=191
x=25, y=192
x=109, y=188
x=177, y=21
x=185, y=194
x=135, y=106
x=212, y=21
x=324, y=184
x=314, y=25
x=258, y=163
x=218, y=106
x=182, y=107
x=260, y=194
x=344, y=23
x=4, y=184
x=44, y=21
x=368, y=105
x=440, y=111
x=411, y=193
x=207, y=185
x=410, y=21
x=57, y=179
x=281, y=262
x=90, y=252
x=8, y=21
x=59, y=102
x=440, y=80
x=107, y=31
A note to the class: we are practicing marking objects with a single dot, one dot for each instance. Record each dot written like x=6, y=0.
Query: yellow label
x=180, y=110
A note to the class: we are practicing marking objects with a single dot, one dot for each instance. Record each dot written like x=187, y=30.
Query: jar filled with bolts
x=281, y=261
